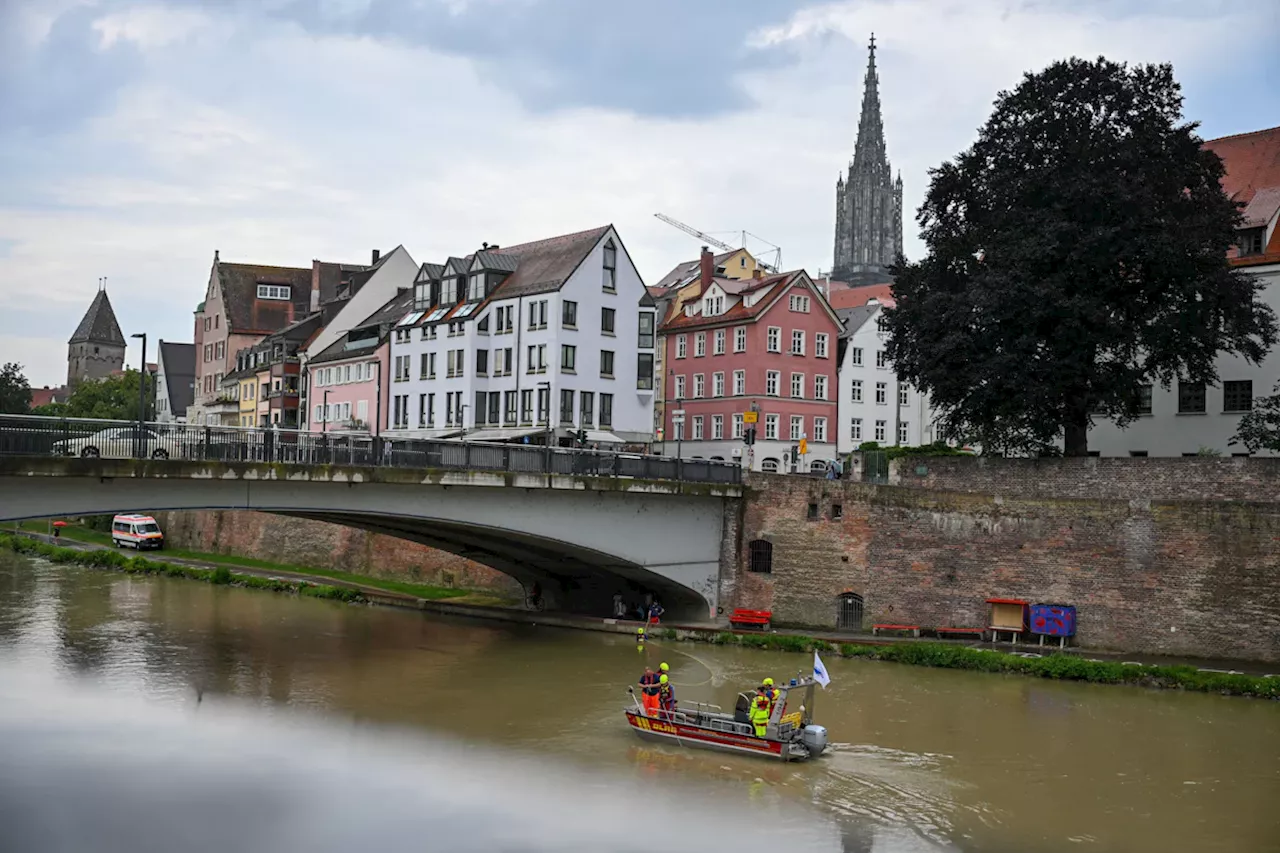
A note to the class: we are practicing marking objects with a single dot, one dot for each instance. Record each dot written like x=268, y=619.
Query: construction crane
x=722, y=246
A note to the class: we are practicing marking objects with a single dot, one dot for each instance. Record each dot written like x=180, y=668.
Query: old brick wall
x=1195, y=577
x=301, y=542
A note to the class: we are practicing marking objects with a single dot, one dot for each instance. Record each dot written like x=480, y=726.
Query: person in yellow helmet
x=663, y=668
x=770, y=692
x=666, y=696
x=760, y=711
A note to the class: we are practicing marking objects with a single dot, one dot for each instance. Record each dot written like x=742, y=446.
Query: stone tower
x=97, y=347
x=869, y=199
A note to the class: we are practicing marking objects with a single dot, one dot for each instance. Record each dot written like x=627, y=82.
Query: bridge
x=584, y=524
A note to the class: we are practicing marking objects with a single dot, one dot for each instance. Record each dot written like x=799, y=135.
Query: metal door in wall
x=875, y=466
x=849, y=612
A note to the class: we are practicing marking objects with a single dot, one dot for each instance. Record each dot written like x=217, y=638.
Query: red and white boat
x=790, y=735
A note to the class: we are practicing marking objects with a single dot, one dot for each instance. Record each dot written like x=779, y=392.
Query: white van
x=139, y=531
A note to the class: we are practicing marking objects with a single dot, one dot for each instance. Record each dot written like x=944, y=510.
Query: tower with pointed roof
x=869, y=199
x=96, y=349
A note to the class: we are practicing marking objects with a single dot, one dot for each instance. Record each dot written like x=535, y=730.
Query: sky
x=138, y=136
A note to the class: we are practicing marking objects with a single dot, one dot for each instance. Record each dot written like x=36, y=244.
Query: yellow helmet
x=662, y=679
x=663, y=667
x=768, y=682
x=640, y=631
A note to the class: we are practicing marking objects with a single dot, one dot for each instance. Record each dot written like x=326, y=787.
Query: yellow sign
x=750, y=417
x=804, y=446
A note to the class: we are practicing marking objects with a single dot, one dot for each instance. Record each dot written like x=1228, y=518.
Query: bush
x=221, y=575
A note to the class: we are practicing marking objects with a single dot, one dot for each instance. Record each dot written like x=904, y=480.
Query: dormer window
x=273, y=291
x=610, y=266
x=1250, y=241
x=449, y=290
x=422, y=295
x=713, y=306
x=476, y=291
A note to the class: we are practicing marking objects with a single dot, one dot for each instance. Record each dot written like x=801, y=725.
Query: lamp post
x=326, y=411
x=677, y=419
x=462, y=422
x=142, y=397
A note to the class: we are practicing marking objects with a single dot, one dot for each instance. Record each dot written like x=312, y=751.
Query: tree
x=15, y=391
x=1259, y=428
x=109, y=398
x=1075, y=253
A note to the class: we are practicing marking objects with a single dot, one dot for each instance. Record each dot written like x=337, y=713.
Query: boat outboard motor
x=814, y=739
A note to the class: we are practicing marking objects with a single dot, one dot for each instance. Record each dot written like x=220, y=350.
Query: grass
x=1058, y=667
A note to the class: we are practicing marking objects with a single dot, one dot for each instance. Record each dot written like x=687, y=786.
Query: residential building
x=97, y=346
x=738, y=263
x=350, y=378
x=1184, y=418
x=266, y=381
x=869, y=201
x=175, y=381
x=874, y=404
x=46, y=395
x=529, y=341
x=764, y=346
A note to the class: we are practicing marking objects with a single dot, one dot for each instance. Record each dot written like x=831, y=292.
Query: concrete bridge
x=584, y=537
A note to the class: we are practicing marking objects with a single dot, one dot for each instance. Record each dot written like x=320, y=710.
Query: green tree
x=109, y=398
x=15, y=391
x=1075, y=252
x=1259, y=428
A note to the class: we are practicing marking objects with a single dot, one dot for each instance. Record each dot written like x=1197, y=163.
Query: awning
x=501, y=434
x=602, y=437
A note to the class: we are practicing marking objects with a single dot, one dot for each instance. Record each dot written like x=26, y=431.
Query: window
x=797, y=342
x=646, y=330
x=606, y=363
x=697, y=427
x=679, y=388
x=482, y=362
x=903, y=399
x=740, y=339
x=820, y=387
x=771, y=427
x=882, y=361
x=541, y=358
x=482, y=409
x=713, y=306
x=739, y=383
x=819, y=429
x=449, y=296
x=699, y=385
x=880, y=430
x=797, y=385
x=882, y=325
x=700, y=345
x=505, y=320
x=644, y=371
x=568, y=358
x=760, y=550
x=719, y=343
x=569, y=314
x=717, y=385
x=544, y=404
x=1190, y=398
x=903, y=427
x=610, y=266
x=799, y=303
x=682, y=346
x=856, y=387
x=771, y=381
x=820, y=344
x=737, y=425
x=607, y=316
x=273, y=291
x=1143, y=453
x=1250, y=241
x=855, y=356
x=882, y=393
x=1237, y=396
x=475, y=288
x=509, y=413
x=774, y=339
x=606, y=411
x=797, y=427
x=855, y=429
x=677, y=429
x=566, y=408
x=1144, y=399
x=811, y=512
x=717, y=427
x=769, y=466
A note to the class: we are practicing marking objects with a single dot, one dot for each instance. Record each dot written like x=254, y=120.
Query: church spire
x=870, y=142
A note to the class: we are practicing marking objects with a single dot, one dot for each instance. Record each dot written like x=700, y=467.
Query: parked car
x=114, y=443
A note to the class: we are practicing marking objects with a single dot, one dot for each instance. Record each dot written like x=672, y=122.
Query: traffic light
x=749, y=436
x=581, y=437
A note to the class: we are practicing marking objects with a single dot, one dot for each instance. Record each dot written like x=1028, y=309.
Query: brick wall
x=1196, y=577
x=301, y=542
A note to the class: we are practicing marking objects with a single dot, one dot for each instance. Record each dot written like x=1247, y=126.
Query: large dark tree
x=1077, y=251
x=15, y=391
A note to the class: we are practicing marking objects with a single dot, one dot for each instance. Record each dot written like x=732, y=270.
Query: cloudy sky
x=137, y=136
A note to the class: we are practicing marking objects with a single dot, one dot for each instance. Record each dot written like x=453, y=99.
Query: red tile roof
x=852, y=297
x=1252, y=161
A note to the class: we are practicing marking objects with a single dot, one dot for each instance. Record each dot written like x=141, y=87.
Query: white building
x=510, y=343
x=873, y=404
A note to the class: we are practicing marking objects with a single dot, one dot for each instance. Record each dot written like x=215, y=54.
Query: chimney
x=757, y=273
x=708, y=267
x=376, y=255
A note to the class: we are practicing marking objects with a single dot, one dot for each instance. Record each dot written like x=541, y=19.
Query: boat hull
x=698, y=737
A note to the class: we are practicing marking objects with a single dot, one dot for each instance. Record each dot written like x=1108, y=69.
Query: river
x=921, y=760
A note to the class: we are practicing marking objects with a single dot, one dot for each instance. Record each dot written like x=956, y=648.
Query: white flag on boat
x=820, y=672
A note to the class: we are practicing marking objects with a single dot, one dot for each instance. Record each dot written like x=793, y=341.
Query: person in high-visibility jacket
x=666, y=695
x=770, y=692
x=760, y=713
x=663, y=669
x=649, y=692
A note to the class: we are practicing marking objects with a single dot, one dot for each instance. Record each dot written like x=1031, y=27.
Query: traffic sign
x=750, y=417
x=679, y=413
x=677, y=419
x=804, y=446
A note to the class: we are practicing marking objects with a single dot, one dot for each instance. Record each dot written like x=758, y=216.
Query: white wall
x=916, y=414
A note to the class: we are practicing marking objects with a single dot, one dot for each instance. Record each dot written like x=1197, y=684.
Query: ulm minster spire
x=869, y=200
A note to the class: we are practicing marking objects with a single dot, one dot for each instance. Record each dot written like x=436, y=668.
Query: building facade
x=763, y=347
x=350, y=379
x=528, y=343
x=175, y=381
x=97, y=346
x=868, y=199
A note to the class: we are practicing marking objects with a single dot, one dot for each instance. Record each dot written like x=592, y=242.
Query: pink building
x=350, y=379
x=763, y=347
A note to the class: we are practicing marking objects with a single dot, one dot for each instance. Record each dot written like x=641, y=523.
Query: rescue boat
x=789, y=736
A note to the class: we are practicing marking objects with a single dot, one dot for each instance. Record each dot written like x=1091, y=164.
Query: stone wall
x=301, y=542
x=1196, y=577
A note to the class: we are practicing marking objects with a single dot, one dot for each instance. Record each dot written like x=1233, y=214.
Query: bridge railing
x=29, y=435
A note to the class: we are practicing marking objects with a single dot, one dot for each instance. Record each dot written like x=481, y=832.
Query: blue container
x=1053, y=620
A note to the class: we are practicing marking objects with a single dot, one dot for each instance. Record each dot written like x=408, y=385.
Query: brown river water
x=921, y=759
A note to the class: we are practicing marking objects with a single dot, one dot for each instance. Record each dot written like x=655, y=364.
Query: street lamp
x=540, y=386
x=142, y=396
x=326, y=411
x=677, y=419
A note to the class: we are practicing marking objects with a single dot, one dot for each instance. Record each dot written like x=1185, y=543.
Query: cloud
x=322, y=130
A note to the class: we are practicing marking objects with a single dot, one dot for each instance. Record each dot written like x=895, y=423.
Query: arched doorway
x=849, y=612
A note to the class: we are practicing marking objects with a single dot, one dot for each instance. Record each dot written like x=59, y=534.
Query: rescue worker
x=768, y=689
x=663, y=669
x=760, y=713
x=649, y=692
x=666, y=696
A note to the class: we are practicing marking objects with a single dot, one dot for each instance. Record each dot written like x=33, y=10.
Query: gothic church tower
x=96, y=349
x=869, y=200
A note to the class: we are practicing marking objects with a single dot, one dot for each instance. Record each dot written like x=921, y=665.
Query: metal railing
x=28, y=435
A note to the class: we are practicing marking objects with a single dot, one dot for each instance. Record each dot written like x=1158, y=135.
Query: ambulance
x=137, y=531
